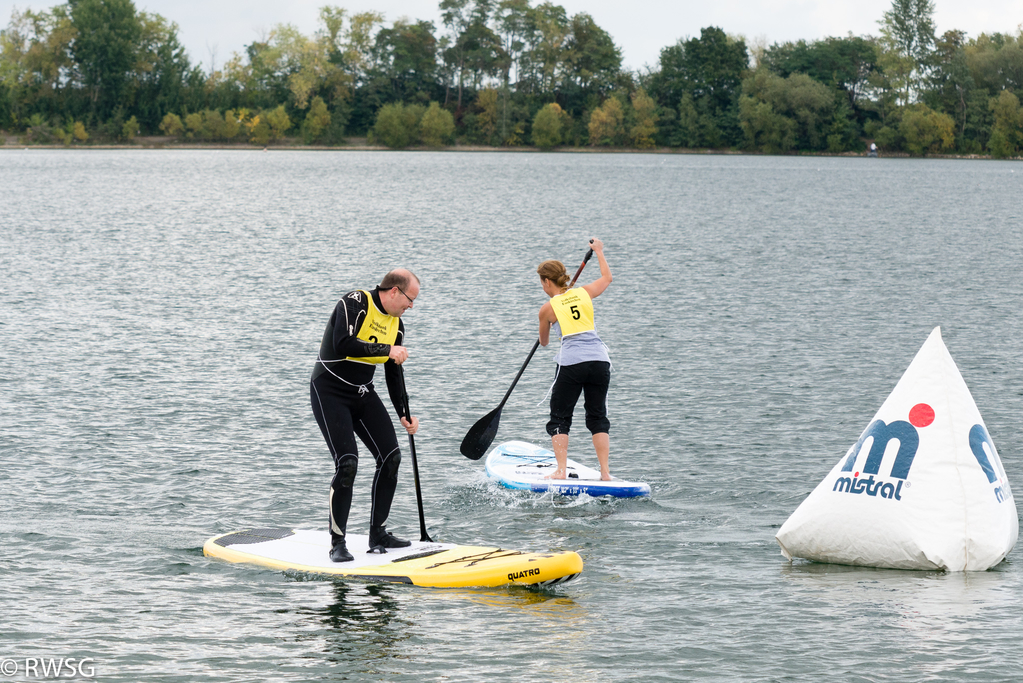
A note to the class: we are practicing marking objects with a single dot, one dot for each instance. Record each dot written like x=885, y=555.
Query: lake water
x=160, y=312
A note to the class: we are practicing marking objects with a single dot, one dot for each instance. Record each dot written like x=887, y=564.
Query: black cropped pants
x=591, y=379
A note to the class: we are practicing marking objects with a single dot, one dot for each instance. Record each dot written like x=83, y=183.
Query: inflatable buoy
x=922, y=488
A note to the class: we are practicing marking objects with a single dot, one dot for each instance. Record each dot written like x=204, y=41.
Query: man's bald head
x=399, y=277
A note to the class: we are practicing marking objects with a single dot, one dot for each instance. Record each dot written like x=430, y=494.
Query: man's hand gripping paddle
x=479, y=438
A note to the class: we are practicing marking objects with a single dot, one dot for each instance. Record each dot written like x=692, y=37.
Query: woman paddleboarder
x=583, y=364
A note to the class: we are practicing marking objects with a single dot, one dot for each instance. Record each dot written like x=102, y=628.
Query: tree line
x=508, y=73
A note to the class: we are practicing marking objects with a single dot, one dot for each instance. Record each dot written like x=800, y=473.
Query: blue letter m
x=978, y=437
x=882, y=433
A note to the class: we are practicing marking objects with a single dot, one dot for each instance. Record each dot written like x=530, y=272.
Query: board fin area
x=439, y=565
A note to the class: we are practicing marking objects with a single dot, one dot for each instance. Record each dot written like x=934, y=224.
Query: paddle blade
x=479, y=438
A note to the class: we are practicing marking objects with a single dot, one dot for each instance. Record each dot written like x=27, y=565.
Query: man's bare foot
x=557, y=474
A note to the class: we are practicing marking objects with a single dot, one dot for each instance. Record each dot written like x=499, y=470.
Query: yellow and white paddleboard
x=439, y=565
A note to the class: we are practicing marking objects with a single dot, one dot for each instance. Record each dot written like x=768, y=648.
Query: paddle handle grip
x=586, y=259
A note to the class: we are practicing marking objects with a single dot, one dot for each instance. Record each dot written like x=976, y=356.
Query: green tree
x=549, y=29
x=105, y=49
x=213, y=125
x=351, y=48
x=406, y=60
x=130, y=129
x=688, y=124
x=293, y=65
x=883, y=97
x=355, y=52
x=907, y=39
x=844, y=132
x=278, y=120
x=62, y=135
x=764, y=128
x=317, y=121
x=606, y=125
x=710, y=69
x=926, y=131
x=511, y=18
x=995, y=62
x=487, y=117
x=232, y=124
x=1007, y=132
x=397, y=125
x=35, y=62
x=645, y=126
x=171, y=124
x=7, y=119
x=548, y=126
x=484, y=52
x=844, y=63
x=193, y=125
x=473, y=49
x=809, y=105
x=160, y=77
x=950, y=80
x=39, y=129
x=591, y=60
x=456, y=15
x=889, y=137
x=260, y=132
x=436, y=126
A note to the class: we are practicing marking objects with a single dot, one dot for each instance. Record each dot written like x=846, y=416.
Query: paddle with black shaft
x=481, y=435
x=425, y=537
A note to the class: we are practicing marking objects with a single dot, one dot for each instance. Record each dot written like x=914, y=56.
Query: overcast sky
x=639, y=27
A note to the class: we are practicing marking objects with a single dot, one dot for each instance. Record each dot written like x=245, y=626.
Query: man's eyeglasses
x=411, y=301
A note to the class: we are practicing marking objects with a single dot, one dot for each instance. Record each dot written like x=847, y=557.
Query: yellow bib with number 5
x=574, y=310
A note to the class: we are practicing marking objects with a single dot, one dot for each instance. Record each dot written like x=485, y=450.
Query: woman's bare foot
x=557, y=474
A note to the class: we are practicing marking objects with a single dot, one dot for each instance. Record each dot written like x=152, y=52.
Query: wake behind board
x=440, y=565
x=521, y=465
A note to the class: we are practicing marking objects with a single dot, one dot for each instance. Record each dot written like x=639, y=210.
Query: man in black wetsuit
x=364, y=330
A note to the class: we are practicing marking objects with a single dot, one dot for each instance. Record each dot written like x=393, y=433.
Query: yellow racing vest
x=378, y=328
x=574, y=310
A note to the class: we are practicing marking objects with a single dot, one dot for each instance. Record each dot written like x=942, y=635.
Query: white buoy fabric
x=922, y=488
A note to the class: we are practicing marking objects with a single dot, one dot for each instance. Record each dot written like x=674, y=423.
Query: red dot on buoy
x=921, y=415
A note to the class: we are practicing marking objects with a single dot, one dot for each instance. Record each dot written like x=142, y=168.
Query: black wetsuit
x=345, y=404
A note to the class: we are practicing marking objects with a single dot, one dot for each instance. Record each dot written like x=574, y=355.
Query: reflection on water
x=540, y=603
x=356, y=624
x=922, y=625
x=928, y=608
x=361, y=607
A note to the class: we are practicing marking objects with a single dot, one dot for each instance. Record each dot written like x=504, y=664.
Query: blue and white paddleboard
x=521, y=465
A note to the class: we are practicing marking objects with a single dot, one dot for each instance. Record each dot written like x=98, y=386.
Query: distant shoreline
x=360, y=145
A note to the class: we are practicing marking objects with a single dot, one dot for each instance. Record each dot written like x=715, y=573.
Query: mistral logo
x=920, y=416
x=984, y=450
